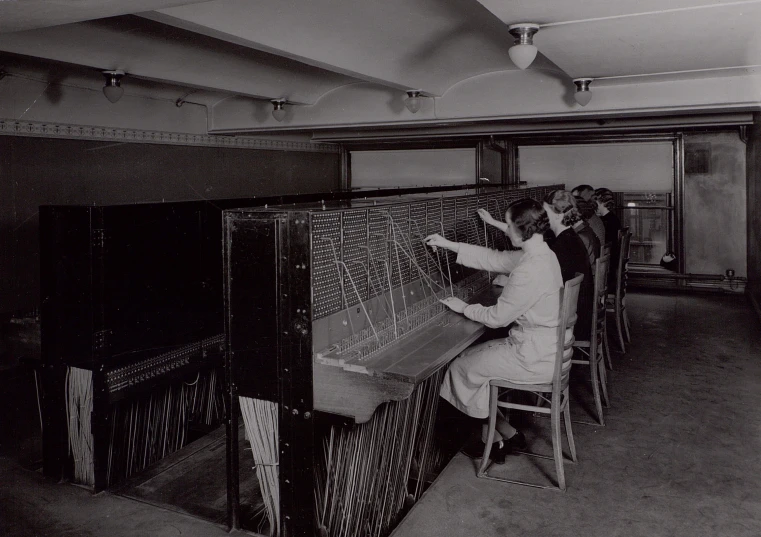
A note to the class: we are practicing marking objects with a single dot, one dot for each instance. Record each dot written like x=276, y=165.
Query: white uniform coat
x=531, y=299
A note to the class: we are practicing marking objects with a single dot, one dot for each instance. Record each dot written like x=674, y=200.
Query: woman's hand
x=454, y=304
x=489, y=219
x=437, y=240
x=501, y=280
x=486, y=217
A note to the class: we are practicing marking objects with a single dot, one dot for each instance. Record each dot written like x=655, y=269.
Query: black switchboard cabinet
x=289, y=275
x=121, y=284
x=121, y=279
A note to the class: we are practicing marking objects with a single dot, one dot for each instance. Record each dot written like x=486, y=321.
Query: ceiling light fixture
x=278, y=111
x=583, y=95
x=523, y=52
x=113, y=90
x=413, y=101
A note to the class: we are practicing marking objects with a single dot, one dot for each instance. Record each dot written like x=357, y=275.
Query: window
x=640, y=173
x=649, y=218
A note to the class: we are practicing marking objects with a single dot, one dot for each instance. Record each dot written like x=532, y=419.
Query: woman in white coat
x=530, y=299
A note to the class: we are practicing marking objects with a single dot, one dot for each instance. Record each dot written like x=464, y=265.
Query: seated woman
x=585, y=193
x=572, y=255
x=606, y=203
x=529, y=299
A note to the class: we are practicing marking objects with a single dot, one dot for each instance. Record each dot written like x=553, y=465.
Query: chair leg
x=608, y=359
x=569, y=432
x=493, y=396
x=557, y=445
x=619, y=328
x=593, y=373
x=603, y=382
x=627, y=326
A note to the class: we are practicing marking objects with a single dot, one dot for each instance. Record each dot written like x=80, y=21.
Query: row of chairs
x=553, y=397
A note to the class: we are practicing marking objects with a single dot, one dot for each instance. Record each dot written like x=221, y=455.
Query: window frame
x=676, y=238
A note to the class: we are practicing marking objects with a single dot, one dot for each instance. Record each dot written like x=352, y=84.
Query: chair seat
x=501, y=383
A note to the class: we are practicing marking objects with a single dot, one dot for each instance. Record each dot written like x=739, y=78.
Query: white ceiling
x=307, y=50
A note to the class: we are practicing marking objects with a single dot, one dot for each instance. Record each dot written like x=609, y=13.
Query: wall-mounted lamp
x=278, y=111
x=113, y=90
x=523, y=52
x=413, y=101
x=583, y=95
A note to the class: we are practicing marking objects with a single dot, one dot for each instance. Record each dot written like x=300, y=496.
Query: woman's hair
x=581, y=189
x=528, y=217
x=562, y=202
x=586, y=208
x=605, y=196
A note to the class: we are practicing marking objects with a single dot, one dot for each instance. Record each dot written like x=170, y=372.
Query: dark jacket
x=598, y=227
x=590, y=240
x=572, y=257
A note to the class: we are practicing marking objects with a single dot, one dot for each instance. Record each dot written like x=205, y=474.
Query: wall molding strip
x=12, y=127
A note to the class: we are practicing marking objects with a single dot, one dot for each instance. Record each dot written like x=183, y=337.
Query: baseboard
x=686, y=282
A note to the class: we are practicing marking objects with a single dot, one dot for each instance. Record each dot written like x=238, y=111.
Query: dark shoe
x=517, y=442
x=475, y=450
x=497, y=454
x=510, y=446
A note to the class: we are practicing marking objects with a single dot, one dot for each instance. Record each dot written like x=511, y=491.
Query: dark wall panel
x=37, y=171
x=754, y=212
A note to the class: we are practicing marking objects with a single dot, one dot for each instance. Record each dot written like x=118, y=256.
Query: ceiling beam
x=422, y=44
x=146, y=49
x=18, y=16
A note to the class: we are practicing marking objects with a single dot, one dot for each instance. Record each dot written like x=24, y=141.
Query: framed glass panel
x=649, y=216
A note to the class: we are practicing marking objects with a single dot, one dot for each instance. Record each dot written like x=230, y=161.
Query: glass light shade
x=278, y=111
x=113, y=93
x=583, y=97
x=522, y=55
x=413, y=102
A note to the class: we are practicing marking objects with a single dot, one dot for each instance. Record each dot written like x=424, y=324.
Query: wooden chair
x=616, y=303
x=557, y=388
x=593, y=350
x=606, y=251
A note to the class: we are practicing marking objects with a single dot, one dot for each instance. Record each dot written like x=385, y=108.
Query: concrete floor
x=680, y=455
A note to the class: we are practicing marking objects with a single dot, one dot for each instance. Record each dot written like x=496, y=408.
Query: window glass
x=649, y=218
